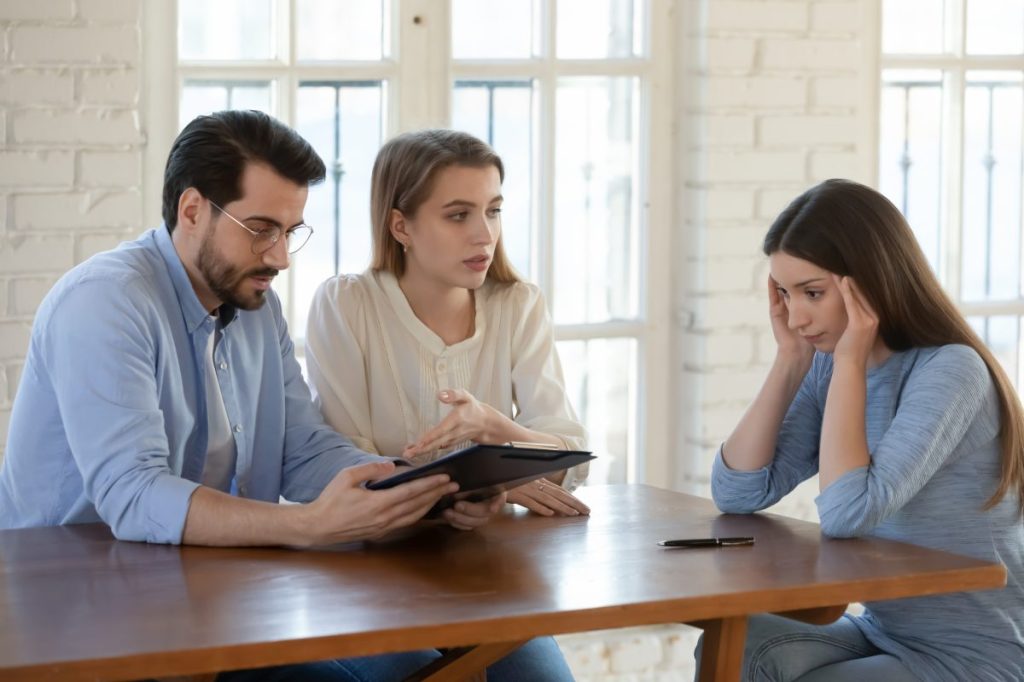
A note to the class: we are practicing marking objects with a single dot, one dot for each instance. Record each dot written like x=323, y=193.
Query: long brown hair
x=403, y=177
x=852, y=230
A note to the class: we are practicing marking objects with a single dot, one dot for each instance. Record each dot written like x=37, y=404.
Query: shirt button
x=238, y=428
x=223, y=365
x=441, y=367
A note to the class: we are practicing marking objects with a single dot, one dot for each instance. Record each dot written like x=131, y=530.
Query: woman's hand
x=466, y=515
x=861, y=333
x=469, y=419
x=547, y=498
x=790, y=344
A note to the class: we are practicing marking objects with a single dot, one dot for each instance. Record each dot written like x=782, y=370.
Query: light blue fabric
x=110, y=424
x=783, y=650
x=932, y=422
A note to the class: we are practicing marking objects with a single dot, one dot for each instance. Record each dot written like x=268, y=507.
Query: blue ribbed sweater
x=932, y=422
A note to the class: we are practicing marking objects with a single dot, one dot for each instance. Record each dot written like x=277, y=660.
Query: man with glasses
x=161, y=393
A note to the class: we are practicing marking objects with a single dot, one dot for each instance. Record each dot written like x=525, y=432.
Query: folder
x=483, y=471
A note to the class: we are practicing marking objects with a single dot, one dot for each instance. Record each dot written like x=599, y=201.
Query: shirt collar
x=194, y=312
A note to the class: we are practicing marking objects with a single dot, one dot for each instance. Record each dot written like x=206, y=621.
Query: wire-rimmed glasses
x=265, y=234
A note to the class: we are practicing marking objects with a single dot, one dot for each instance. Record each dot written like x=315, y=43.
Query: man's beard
x=226, y=281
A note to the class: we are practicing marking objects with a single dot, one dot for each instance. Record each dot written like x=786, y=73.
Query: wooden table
x=76, y=604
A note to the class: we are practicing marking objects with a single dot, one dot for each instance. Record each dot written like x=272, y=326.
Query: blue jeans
x=783, y=650
x=539, y=659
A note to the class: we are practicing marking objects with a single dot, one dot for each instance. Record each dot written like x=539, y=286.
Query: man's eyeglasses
x=265, y=235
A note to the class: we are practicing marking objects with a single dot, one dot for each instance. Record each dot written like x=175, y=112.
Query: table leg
x=721, y=657
x=466, y=664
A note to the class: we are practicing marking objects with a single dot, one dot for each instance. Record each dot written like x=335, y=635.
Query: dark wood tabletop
x=77, y=604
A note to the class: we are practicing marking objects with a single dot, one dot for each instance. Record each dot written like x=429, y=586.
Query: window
x=567, y=92
x=951, y=153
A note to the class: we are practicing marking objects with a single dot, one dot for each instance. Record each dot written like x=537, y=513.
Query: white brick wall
x=770, y=100
x=71, y=155
x=793, y=70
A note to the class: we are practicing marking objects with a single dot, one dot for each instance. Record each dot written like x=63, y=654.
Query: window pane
x=992, y=180
x=204, y=97
x=1001, y=333
x=995, y=26
x=910, y=158
x=597, y=225
x=343, y=122
x=494, y=29
x=595, y=29
x=328, y=29
x=600, y=377
x=913, y=26
x=225, y=30
x=501, y=114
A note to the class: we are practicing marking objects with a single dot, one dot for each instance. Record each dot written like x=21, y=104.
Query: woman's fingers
x=547, y=498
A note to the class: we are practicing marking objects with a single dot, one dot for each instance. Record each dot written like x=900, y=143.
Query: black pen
x=707, y=542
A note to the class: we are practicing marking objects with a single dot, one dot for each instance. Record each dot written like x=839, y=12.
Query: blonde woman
x=440, y=344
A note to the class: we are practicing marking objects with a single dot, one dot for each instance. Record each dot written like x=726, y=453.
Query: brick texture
x=70, y=152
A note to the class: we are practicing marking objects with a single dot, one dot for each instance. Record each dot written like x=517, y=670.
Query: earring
x=405, y=248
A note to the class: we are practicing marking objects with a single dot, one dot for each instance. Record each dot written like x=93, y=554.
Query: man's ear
x=190, y=205
x=398, y=227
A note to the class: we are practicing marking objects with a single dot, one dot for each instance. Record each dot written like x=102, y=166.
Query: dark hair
x=403, y=178
x=212, y=151
x=852, y=230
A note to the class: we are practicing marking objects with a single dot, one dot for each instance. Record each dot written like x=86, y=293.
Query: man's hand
x=346, y=511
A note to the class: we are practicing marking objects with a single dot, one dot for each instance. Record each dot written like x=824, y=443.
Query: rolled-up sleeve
x=102, y=361
x=940, y=400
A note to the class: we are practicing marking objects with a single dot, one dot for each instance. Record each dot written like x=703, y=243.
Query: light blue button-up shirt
x=110, y=421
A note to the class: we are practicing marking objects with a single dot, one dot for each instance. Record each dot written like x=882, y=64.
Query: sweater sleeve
x=335, y=362
x=795, y=459
x=941, y=397
x=538, y=387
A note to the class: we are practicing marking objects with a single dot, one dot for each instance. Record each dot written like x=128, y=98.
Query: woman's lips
x=477, y=264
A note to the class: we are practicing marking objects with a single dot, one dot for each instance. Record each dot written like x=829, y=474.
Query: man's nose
x=277, y=256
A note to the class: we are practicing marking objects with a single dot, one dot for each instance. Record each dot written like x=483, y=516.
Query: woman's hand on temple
x=861, y=333
x=790, y=343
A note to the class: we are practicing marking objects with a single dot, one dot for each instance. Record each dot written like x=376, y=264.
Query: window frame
x=954, y=63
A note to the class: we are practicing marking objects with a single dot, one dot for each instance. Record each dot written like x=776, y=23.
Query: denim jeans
x=539, y=659
x=783, y=650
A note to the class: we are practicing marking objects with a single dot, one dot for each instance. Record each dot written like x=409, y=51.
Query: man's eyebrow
x=272, y=221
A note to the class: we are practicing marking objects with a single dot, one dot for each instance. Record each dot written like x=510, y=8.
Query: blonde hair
x=403, y=177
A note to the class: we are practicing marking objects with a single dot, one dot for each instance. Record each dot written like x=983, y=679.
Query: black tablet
x=483, y=471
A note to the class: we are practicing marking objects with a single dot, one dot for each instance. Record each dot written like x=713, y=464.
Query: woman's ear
x=398, y=227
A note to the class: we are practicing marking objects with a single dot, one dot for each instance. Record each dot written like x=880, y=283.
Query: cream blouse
x=375, y=369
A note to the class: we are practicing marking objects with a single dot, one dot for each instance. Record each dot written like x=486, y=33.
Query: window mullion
x=423, y=87
x=543, y=254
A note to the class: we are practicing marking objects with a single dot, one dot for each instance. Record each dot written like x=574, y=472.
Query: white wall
x=70, y=161
x=772, y=96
